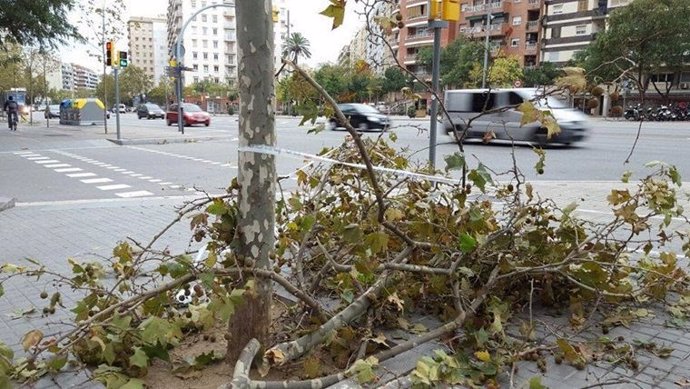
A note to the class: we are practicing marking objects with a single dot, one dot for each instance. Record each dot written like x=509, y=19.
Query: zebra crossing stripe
x=68, y=170
x=96, y=180
x=79, y=175
x=113, y=187
x=37, y=158
x=140, y=193
x=58, y=165
x=47, y=161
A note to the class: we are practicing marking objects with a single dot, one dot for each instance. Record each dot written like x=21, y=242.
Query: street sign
x=517, y=83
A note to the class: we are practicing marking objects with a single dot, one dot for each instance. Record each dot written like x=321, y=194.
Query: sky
x=304, y=18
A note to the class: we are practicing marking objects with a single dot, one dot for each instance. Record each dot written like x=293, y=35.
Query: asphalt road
x=85, y=167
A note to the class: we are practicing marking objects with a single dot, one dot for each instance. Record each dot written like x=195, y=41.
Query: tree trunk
x=257, y=172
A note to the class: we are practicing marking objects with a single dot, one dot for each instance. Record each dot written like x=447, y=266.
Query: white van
x=465, y=104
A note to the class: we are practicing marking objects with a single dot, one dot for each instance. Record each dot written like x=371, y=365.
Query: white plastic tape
x=262, y=149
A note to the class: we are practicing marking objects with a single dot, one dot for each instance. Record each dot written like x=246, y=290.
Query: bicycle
x=12, y=119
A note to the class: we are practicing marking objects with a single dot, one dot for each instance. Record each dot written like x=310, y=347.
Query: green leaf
x=675, y=176
x=217, y=208
x=455, y=161
x=133, y=383
x=156, y=329
x=467, y=243
x=57, y=363
x=2, y=290
x=480, y=177
x=6, y=351
x=123, y=252
x=336, y=11
x=364, y=370
x=139, y=359
x=625, y=178
x=552, y=127
x=377, y=241
x=352, y=233
x=535, y=383
x=539, y=166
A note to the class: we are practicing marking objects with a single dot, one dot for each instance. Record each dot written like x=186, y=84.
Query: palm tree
x=296, y=45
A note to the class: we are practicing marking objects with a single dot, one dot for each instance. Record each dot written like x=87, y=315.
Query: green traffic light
x=123, y=63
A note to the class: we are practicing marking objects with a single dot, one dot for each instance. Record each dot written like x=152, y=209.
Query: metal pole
x=437, y=25
x=486, y=43
x=105, y=84
x=117, y=102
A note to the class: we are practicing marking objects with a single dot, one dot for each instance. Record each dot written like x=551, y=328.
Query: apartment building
x=148, y=48
x=210, y=40
x=514, y=26
x=281, y=30
x=70, y=77
x=415, y=35
x=571, y=25
x=378, y=55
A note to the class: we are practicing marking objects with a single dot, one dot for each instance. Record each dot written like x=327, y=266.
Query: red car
x=191, y=114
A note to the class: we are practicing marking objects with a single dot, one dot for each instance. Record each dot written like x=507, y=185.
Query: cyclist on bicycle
x=12, y=109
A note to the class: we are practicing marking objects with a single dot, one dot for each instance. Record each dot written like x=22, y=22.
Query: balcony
x=530, y=48
x=480, y=30
x=533, y=25
x=425, y=36
x=533, y=4
x=483, y=8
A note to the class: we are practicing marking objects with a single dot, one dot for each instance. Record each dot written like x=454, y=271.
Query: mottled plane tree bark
x=257, y=172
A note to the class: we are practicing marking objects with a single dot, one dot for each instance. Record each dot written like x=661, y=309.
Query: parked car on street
x=362, y=117
x=52, y=111
x=122, y=108
x=150, y=111
x=191, y=114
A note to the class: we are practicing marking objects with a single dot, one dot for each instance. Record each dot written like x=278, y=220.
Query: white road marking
x=113, y=187
x=134, y=194
x=79, y=175
x=175, y=186
x=48, y=161
x=58, y=165
x=164, y=183
x=145, y=177
x=23, y=152
x=155, y=180
x=68, y=170
x=120, y=170
x=37, y=158
x=136, y=175
x=127, y=172
x=112, y=167
x=96, y=180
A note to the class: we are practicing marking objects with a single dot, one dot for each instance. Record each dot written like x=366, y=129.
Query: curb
x=160, y=141
x=7, y=203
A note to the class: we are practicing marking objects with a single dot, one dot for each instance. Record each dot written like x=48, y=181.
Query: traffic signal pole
x=117, y=102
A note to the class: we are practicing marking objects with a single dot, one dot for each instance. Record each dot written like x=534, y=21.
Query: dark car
x=362, y=117
x=150, y=111
x=52, y=111
x=191, y=114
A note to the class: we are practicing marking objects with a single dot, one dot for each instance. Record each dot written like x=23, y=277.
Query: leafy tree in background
x=105, y=90
x=393, y=80
x=504, y=71
x=133, y=82
x=457, y=61
x=333, y=78
x=544, y=74
x=42, y=23
x=642, y=39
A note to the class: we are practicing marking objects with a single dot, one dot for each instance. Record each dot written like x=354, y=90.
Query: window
x=204, y=30
x=215, y=68
x=196, y=79
x=204, y=18
x=215, y=18
x=205, y=68
x=517, y=20
x=193, y=3
x=193, y=42
x=194, y=55
x=515, y=99
x=215, y=56
x=215, y=31
x=582, y=5
x=555, y=32
x=558, y=9
x=205, y=55
x=205, y=44
x=515, y=42
x=194, y=30
x=581, y=29
x=195, y=67
x=483, y=101
x=215, y=44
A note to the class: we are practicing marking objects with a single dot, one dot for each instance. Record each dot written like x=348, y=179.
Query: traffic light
x=109, y=53
x=276, y=14
x=123, y=59
x=448, y=10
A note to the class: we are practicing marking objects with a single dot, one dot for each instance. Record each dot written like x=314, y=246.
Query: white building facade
x=210, y=40
x=571, y=25
x=70, y=77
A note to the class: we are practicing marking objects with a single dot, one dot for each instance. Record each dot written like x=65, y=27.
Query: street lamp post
x=486, y=42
